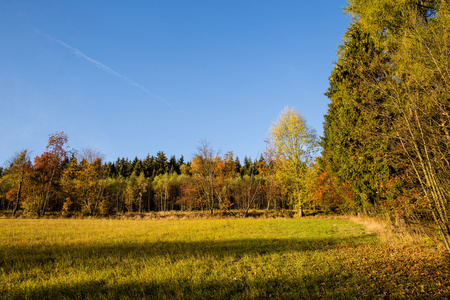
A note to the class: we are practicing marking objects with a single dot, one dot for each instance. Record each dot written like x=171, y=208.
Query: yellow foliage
x=295, y=145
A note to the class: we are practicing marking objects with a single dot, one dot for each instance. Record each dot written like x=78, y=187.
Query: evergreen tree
x=136, y=166
x=123, y=167
x=389, y=112
x=148, y=166
x=355, y=146
x=415, y=37
x=111, y=169
x=238, y=165
x=161, y=164
x=247, y=168
x=172, y=165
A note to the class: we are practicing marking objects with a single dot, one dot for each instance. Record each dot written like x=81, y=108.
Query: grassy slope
x=227, y=259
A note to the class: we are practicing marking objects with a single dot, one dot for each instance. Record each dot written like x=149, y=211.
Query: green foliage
x=356, y=147
x=386, y=131
x=166, y=188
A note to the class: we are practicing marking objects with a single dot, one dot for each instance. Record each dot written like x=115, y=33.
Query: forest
x=385, y=150
x=69, y=181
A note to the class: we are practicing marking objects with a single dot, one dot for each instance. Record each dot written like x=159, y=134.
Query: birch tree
x=295, y=145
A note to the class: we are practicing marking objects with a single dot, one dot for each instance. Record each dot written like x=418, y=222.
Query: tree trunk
x=16, y=207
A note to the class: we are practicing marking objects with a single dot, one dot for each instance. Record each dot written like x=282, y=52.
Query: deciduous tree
x=46, y=172
x=18, y=169
x=203, y=168
x=295, y=145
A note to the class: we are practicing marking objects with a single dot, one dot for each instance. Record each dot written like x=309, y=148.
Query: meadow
x=212, y=259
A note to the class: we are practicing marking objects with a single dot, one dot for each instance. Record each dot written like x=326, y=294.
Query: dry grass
x=396, y=234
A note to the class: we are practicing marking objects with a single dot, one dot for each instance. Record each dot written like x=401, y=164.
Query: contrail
x=103, y=67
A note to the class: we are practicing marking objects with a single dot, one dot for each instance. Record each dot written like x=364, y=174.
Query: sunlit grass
x=214, y=258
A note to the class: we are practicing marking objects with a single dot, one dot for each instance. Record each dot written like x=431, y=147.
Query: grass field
x=211, y=259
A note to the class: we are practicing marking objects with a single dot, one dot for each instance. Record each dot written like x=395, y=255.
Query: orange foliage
x=11, y=194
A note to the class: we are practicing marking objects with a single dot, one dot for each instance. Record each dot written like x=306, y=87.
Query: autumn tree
x=46, y=172
x=4, y=188
x=91, y=182
x=84, y=179
x=295, y=145
x=267, y=170
x=19, y=167
x=189, y=197
x=68, y=185
x=203, y=168
x=328, y=191
x=252, y=187
x=423, y=102
x=226, y=171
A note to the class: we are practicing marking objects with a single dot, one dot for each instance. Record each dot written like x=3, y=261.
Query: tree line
x=68, y=181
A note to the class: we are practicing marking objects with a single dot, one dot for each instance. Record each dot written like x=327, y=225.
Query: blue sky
x=131, y=78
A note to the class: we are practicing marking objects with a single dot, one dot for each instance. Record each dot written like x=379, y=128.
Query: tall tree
x=203, y=168
x=393, y=70
x=295, y=145
x=266, y=169
x=161, y=164
x=416, y=83
x=142, y=185
x=356, y=147
x=226, y=171
x=136, y=166
x=148, y=166
x=47, y=170
x=19, y=166
x=132, y=190
x=251, y=190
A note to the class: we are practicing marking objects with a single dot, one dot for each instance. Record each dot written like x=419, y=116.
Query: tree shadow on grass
x=306, y=287
x=323, y=285
x=19, y=258
x=341, y=281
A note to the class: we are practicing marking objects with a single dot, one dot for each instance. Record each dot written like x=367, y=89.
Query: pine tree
x=355, y=148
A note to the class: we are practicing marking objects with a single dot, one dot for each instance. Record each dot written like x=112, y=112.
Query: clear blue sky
x=132, y=78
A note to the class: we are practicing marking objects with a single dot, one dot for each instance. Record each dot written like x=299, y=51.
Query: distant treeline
x=152, y=166
x=69, y=182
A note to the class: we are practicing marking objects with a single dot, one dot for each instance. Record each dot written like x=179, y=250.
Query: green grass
x=211, y=259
